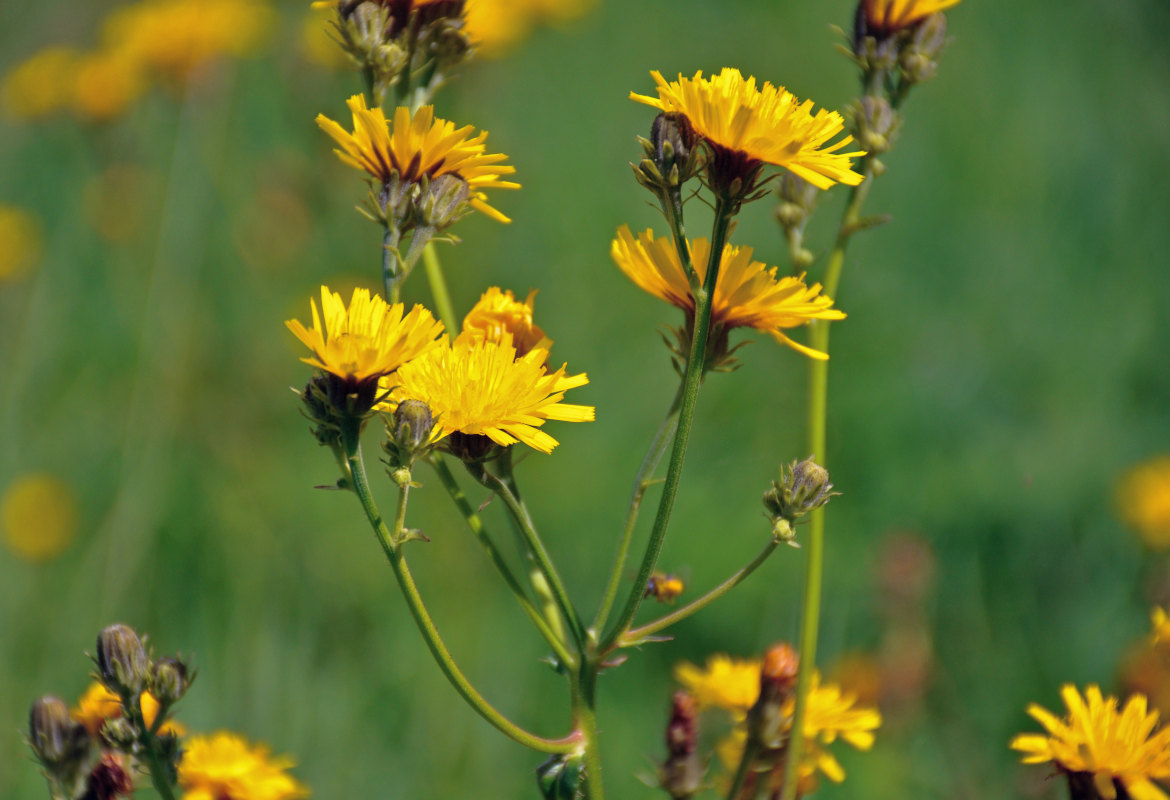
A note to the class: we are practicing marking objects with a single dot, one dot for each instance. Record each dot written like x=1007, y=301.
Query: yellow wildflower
x=416, y=145
x=495, y=25
x=41, y=84
x=1097, y=739
x=747, y=126
x=887, y=16
x=731, y=684
x=99, y=704
x=483, y=388
x=223, y=766
x=20, y=243
x=747, y=294
x=367, y=340
x=1144, y=500
x=38, y=516
x=498, y=313
x=106, y=84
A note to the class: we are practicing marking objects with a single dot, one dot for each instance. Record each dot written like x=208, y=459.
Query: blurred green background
x=1004, y=361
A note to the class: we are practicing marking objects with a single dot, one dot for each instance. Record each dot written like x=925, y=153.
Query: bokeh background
x=1003, y=365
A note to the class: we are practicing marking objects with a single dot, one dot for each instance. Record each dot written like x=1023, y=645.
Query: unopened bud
x=55, y=738
x=121, y=660
x=681, y=775
x=876, y=123
x=670, y=156
x=561, y=777
x=920, y=56
x=766, y=719
x=803, y=487
x=110, y=779
x=443, y=201
x=170, y=680
x=120, y=733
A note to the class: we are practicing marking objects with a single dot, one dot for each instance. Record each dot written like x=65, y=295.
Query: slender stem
x=586, y=719
x=538, y=551
x=158, y=774
x=439, y=288
x=818, y=392
x=388, y=539
x=391, y=268
x=691, y=383
x=477, y=527
x=642, y=482
x=745, y=764
x=636, y=634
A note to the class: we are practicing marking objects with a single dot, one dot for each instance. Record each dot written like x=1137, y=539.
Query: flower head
x=224, y=766
x=483, y=388
x=747, y=127
x=99, y=704
x=747, y=293
x=888, y=16
x=418, y=145
x=1144, y=501
x=498, y=313
x=1107, y=744
x=731, y=684
x=368, y=339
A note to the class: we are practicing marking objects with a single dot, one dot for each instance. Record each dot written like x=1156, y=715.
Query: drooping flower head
x=483, y=388
x=1101, y=743
x=1143, y=497
x=499, y=314
x=884, y=17
x=418, y=145
x=747, y=126
x=224, y=766
x=747, y=293
x=356, y=346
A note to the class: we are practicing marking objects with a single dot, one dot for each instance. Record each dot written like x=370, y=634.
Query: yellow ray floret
x=481, y=387
x=747, y=293
x=417, y=145
x=888, y=16
x=731, y=684
x=366, y=340
x=499, y=313
x=1096, y=738
x=764, y=124
x=225, y=765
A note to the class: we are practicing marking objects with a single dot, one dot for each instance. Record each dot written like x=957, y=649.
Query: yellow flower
x=887, y=16
x=1160, y=628
x=99, y=704
x=224, y=766
x=106, y=84
x=417, y=145
x=20, y=242
x=38, y=516
x=729, y=683
x=747, y=126
x=747, y=294
x=1097, y=739
x=483, y=388
x=499, y=313
x=41, y=84
x=1144, y=501
x=495, y=25
x=367, y=340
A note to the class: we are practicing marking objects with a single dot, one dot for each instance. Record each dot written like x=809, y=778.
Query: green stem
x=158, y=774
x=818, y=392
x=439, y=288
x=388, y=539
x=391, y=269
x=642, y=482
x=476, y=525
x=745, y=765
x=691, y=382
x=538, y=551
x=637, y=634
x=587, y=723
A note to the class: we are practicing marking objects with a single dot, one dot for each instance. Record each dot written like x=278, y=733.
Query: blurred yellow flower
x=747, y=126
x=99, y=704
x=496, y=25
x=728, y=683
x=1097, y=739
x=747, y=293
x=39, y=517
x=483, y=388
x=1144, y=501
x=887, y=16
x=223, y=766
x=318, y=41
x=417, y=145
x=1160, y=628
x=41, y=84
x=366, y=340
x=20, y=243
x=499, y=314
x=106, y=83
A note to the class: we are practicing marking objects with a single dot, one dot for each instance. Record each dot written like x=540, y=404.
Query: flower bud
x=120, y=733
x=443, y=201
x=920, y=56
x=169, y=681
x=110, y=779
x=408, y=433
x=561, y=777
x=681, y=775
x=670, y=157
x=803, y=487
x=767, y=719
x=121, y=660
x=876, y=123
x=56, y=740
